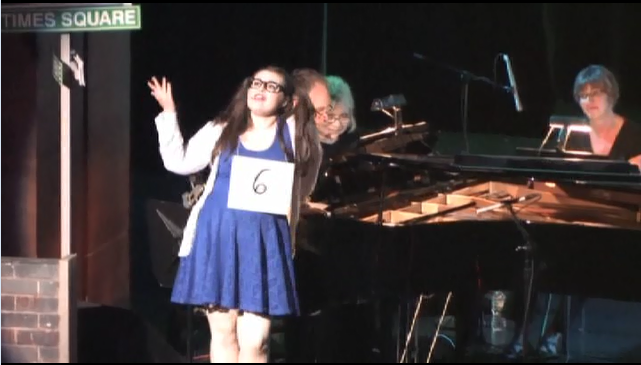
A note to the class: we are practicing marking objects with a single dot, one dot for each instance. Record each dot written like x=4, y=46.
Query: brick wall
x=38, y=313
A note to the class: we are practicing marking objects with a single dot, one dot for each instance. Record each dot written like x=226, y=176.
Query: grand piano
x=410, y=225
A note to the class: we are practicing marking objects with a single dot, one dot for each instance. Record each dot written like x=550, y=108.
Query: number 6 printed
x=260, y=188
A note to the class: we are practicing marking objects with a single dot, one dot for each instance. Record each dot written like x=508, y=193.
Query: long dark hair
x=236, y=118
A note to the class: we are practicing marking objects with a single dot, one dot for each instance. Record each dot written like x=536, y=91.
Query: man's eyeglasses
x=323, y=112
x=343, y=118
x=270, y=86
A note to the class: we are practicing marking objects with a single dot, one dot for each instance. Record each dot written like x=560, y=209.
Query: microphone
x=519, y=199
x=514, y=90
x=419, y=56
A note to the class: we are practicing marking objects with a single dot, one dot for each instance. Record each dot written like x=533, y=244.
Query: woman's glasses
x=593, y=94
x=270, y=86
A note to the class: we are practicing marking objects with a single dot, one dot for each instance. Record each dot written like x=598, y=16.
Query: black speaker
x=604, y=330
x=117, y=335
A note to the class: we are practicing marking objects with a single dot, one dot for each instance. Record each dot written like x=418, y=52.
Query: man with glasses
x=308, y=337
x=340, y=125
x=313, y=84
x=299, y=331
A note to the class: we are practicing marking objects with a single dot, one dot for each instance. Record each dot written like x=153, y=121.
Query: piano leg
x=467, y=297
x=403, y=324
x=385, y=344
x=391, y=326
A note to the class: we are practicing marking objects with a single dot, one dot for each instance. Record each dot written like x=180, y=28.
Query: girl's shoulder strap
x=290, y=122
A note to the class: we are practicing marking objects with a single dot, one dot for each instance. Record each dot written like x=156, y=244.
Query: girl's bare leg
x=224, y=341
x=253, y=338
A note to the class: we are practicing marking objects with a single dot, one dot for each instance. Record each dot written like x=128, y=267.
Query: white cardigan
x=196, y=156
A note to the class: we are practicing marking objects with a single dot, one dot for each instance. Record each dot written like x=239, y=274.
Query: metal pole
x=65, y=152
x=324, y=45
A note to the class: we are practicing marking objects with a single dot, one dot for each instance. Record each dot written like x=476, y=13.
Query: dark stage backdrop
x=207, y=49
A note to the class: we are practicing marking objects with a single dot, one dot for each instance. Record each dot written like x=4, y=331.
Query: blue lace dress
x=240, y=259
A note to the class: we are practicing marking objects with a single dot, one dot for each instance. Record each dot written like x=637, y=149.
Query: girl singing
x=237, y=262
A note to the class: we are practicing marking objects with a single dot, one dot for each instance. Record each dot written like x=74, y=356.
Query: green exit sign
x=70, y=19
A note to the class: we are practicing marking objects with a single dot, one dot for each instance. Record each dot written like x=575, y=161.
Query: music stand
x=165, y=222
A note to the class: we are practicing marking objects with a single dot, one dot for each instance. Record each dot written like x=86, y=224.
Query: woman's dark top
x=628, y=142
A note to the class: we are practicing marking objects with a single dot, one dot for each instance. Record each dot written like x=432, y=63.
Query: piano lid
x=582, y=171
x=573, y=168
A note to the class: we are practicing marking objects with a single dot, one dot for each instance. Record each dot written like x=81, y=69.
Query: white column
x=65, y=152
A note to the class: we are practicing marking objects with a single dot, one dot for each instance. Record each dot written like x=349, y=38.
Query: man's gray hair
x=340, y=92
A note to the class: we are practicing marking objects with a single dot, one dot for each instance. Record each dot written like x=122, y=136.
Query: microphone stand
x=379, y=297
x=382, y=299
x=528, y=249
x=466, y=78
